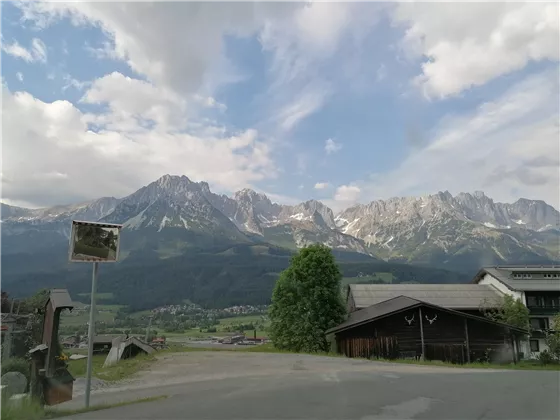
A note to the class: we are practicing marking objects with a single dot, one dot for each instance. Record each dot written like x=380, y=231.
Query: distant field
x=140, y=314
x=106, y=296
x=105, y=313
x=220, y=329
x=246, y=319
x=384, y=277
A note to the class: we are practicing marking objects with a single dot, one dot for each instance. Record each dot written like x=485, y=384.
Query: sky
x=340, y=102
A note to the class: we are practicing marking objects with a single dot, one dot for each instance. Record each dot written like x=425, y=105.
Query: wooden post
x=467, y=340
x=7, y=353
x=422, y=357
x=513, y=350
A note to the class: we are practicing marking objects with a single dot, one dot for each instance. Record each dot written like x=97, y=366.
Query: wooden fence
x=368, y=348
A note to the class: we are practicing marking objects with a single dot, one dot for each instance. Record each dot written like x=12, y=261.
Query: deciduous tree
x=306, y=301
x=552, y=339
x=510, y=311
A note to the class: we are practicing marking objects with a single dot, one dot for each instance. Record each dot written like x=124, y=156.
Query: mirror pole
x=91, y=331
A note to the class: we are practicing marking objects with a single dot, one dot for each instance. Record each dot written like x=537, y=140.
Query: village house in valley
x=538, y=288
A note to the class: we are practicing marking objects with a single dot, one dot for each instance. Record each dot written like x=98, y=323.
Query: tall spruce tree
x=306, y=301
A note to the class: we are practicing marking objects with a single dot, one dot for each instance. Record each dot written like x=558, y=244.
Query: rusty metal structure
x=51, y=380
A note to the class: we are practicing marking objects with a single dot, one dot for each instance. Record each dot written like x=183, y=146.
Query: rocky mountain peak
x=413, y=228
x=247, y=194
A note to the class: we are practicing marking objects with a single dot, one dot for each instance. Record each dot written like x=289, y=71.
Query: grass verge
x=32, y=410
x=522, y=365
x=53, y=413
x=121, y=370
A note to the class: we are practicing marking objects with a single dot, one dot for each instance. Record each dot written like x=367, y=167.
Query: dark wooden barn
x=403, y=327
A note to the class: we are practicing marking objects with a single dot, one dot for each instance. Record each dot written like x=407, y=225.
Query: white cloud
x=507, y=147
x=209, y=102
x=179, y=45
x=321, y=185
x=282, y=199
x=305, y=69
x=69, y=82
x=381, y=73
x=174, y=44
x=19, y=76
x=37, y=52
x=332, y=147
x=302, y=107
x=130, y=100
x=347, y=193
x=469, y=44
x=59, y=159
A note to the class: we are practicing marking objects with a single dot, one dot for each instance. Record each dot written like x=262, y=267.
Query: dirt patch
x=177, y=368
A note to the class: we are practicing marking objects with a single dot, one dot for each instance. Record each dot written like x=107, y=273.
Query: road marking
x=330, y=377
x=405, y=410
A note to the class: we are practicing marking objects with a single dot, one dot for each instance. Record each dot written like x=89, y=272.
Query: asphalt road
x=231, y=385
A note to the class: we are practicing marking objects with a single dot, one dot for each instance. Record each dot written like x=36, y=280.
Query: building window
x=527, y=276
x=539, y=323
x=531, y=301
x=534, y=345
x=517, y=276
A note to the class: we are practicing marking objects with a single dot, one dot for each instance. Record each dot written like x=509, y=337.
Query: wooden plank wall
x=444, y=337
x=368, y=348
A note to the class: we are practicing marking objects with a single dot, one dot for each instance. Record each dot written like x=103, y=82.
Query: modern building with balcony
x=538, y=288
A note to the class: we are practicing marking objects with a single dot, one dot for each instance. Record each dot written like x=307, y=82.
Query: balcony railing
x=544, y=309
x=540, y=333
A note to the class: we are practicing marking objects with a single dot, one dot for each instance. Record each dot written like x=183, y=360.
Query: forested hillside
x=218, y=278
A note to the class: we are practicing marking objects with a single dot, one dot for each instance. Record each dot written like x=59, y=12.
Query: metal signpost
x=94, y=243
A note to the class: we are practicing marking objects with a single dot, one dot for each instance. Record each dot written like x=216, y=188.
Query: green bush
x=17, y=364
x=545, y=357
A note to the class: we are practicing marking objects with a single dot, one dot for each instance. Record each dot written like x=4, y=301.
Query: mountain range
x=174, y=217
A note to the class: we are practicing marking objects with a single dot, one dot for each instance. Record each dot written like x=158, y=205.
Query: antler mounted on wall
x=431, y=321
x=409, y=321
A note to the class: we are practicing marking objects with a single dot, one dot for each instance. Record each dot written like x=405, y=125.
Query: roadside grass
x=53, y=413
x=117, y=372
x=521, y=365
x=32, y=410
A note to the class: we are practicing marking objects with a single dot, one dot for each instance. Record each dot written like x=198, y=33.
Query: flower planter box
x=58, y=389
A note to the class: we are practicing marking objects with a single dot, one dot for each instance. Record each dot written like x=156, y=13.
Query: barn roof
x=403, y=303
x=537, y=283
x=452, y=296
